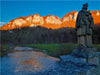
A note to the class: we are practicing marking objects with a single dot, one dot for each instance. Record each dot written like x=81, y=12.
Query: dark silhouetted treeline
x=35, y=35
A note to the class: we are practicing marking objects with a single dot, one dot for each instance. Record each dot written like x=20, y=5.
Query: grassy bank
x=51, y=49
x=57, y=49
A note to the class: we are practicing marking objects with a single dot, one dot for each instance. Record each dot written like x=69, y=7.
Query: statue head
x=85, y=6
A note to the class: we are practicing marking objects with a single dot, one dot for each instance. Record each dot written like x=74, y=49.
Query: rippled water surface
x=26, y=63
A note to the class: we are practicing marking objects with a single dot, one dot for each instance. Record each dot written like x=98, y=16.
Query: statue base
x=89, y=54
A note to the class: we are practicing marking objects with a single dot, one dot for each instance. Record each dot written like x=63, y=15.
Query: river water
x=31, y=62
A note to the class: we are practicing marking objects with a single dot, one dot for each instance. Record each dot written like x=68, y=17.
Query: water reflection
x=26, y=62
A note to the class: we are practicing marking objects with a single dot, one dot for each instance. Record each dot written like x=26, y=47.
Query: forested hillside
x=34, y=35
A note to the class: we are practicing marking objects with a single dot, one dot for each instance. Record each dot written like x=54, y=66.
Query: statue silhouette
x=84, y=26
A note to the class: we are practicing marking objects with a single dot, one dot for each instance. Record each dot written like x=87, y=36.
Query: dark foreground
x=32, y=62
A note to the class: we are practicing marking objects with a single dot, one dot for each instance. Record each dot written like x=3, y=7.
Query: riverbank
x=55, y=50
x=4, y=49
x=36, y=61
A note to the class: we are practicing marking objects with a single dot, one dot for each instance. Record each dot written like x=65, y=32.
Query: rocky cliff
x=49, y=21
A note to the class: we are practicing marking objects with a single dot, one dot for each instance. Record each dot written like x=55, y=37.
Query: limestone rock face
x=75, y=16
x=29, y=19
x=53, y=20
x=19, y=22
x=97, y=13
x=70, y=16
x=49, y=21
x=37, y=19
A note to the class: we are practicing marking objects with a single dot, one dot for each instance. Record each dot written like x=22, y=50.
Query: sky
x=11, y=9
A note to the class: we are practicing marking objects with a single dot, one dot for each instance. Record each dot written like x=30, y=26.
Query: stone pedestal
x=89, y=54
x=94, y=60
x=80, y=65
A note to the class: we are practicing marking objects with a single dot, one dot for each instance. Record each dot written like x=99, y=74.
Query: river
x=28, y=62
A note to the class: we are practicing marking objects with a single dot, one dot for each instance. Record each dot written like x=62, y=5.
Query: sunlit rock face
x=53, y=20
x=19, y=22
x=97, y=13
x=75, y=16
x=29, y=19
x=69, y=19
x=96, y=16
x=50, y=21
x=70, y=16
x=37, y=19
x=32, y=25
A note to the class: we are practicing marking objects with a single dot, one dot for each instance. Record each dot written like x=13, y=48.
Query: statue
x=84, y=26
